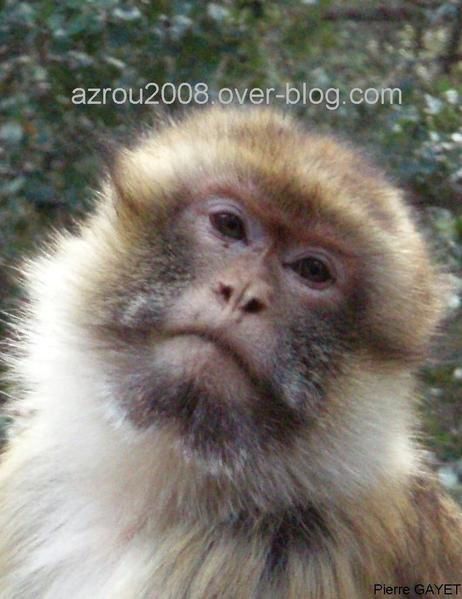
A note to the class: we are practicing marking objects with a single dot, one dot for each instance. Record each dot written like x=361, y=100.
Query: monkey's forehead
x=265, y=158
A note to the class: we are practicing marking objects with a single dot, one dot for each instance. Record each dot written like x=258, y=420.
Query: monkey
x=219, y=368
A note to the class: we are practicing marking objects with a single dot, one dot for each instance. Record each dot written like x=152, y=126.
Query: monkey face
x=238, y=354
x=232, y=291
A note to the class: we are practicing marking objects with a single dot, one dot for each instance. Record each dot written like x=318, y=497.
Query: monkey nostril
x=225, y=291
x=253, y=306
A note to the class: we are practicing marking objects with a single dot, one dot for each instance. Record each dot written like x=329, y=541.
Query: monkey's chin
x=200, y=392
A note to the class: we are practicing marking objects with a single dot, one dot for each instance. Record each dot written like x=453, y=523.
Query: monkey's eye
x=313, y=270
x=228, y=224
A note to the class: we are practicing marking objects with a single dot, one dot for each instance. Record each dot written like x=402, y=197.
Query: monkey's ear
x=113, y=157
x=110, y=149
x=116, y=173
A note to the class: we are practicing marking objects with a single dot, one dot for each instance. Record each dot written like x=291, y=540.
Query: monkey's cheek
x=189, y=358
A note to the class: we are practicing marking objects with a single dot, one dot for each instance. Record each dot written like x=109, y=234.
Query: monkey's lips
x=208, y=356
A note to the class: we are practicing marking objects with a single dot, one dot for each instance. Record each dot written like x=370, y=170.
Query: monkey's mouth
x=225, y=347
x=221, y=344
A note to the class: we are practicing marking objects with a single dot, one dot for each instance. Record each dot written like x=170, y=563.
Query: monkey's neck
x=147, y=485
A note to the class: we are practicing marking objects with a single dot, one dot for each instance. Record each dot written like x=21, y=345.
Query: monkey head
x=252, y=288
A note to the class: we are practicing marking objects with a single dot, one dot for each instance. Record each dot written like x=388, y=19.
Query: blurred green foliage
x=47, y=144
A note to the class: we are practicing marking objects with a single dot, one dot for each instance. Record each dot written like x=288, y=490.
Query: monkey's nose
x=251, y=298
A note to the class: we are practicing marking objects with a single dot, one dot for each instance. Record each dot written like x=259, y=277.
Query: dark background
x=48, y=145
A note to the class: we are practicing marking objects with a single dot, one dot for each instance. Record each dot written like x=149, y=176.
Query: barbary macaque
x=219, y=368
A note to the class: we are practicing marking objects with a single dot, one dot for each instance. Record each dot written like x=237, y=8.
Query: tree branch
x=452, y=56
x=379, y=13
